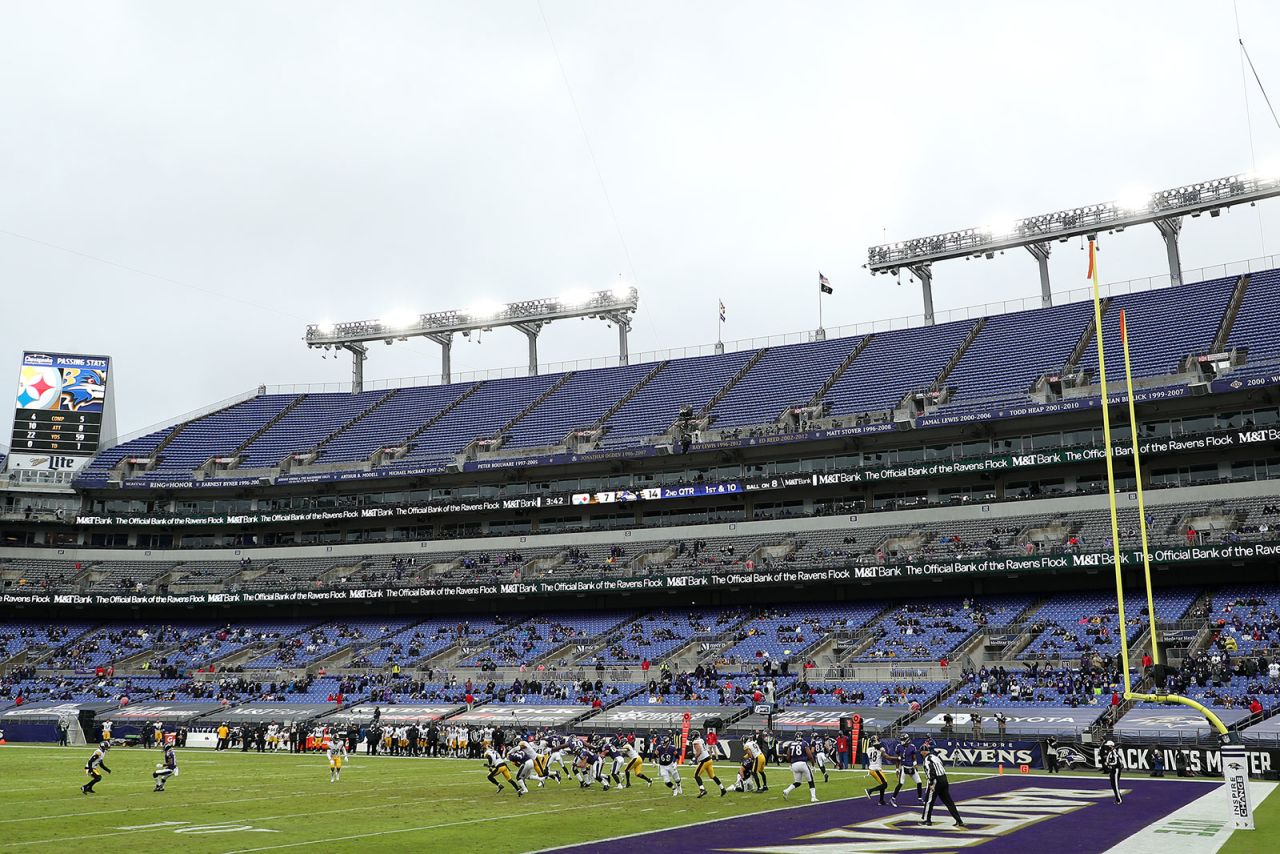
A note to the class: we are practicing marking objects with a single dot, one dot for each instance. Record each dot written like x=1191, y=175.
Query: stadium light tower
x=1165, y=209
x=616, y=306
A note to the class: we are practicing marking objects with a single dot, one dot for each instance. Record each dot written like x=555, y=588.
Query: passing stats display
x=59, y=411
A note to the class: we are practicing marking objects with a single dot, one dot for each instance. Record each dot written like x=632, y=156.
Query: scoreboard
x=59, y=410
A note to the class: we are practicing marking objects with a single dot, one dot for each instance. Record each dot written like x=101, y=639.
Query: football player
x=745, y=783
x=556, y=744
x=542, y=764
x=498, y=768
x=752, y=749
x=336, y=752
x=96, y=760
x=618, y=750
x=908, y=758
x=702, y=765
x=633, y=764
x=583, y=765
x=800, y=755
x=166, y=769
x=522, y=760
x=668, y=766
x=875, y=766
x=820, y=753
x=606, y=757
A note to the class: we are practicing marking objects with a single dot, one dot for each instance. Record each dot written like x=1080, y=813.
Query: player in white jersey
x=702, y=765
x=633, y=764
x=337, y=753
x=97, y=760
x=542, y=763
x=498, y=767
x=875, y=766
x=273, y=736
x=758, y=775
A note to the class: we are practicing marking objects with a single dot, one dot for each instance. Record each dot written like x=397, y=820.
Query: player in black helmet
x=166, y=769
x=96, y=761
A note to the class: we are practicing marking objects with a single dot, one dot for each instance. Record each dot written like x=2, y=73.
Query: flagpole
x=821, y=336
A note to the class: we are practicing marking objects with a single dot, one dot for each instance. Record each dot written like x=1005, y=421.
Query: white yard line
x=167, y=805
x=238, y=820
x=682, y=826
x=371, y=834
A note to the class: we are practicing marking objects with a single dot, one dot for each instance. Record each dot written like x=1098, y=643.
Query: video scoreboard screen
x=58, y=414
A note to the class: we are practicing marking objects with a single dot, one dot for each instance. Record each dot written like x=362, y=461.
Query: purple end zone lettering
x=1047, y=815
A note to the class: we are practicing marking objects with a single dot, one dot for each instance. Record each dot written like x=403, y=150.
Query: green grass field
x=242, y=802
x=223, y=802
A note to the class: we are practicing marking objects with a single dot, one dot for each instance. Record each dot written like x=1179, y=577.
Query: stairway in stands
x=940, y=382
x=635, y=389
x=537, y=401
x=261, y=431
x=1085, y=340
x=435, y=419
x=733, y=381
x=1229, y=318
x=840, y=369
x=354, y=422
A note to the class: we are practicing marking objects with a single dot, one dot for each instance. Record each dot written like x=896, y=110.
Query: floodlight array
x=984, y=241
x=615, y=304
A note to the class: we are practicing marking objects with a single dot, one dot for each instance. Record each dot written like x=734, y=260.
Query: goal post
x=1234, y=759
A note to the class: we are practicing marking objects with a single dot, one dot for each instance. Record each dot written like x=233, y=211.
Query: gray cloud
x=338, y=161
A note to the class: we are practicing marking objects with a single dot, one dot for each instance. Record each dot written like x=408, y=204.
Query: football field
x=246, y=802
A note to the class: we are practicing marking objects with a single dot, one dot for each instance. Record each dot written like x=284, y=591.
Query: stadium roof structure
x=1164, y=209
x=616, y=305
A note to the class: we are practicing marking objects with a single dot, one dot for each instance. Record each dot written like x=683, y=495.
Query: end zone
x=1004, y=815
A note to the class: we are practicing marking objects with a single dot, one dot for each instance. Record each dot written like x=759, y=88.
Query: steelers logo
x=38, y=387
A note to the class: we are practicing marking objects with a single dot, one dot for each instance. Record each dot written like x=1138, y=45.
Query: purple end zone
x=1009, y=815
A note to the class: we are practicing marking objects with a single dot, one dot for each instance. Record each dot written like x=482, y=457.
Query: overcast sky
x=290, y=162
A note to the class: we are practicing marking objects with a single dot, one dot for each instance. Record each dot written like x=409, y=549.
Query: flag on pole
x=824, y=284
x=1091, y=261
x=722, y=311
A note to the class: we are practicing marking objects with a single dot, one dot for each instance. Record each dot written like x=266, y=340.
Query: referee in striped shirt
x=939, y=788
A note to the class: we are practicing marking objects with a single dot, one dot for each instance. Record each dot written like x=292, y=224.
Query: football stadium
x=997, y=576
